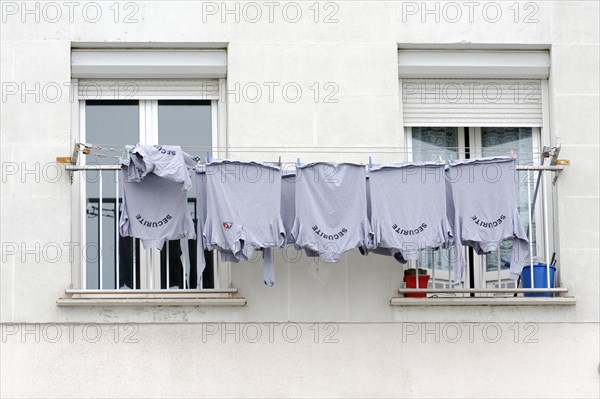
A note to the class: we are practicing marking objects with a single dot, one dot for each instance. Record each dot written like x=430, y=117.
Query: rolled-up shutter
x=148, y=74
x=148, y=89
x=472, y=88
x=472, y=102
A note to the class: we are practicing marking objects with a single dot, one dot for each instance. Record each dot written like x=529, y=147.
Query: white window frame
x=429, y=63
x=148, y=118
x=483, y=279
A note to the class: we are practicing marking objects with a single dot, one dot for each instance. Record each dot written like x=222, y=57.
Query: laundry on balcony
x=323, y=208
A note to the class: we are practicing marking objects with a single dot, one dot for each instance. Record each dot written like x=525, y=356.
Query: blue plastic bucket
x=539, y=278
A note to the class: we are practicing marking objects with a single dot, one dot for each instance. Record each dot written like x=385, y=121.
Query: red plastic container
x=411, y=282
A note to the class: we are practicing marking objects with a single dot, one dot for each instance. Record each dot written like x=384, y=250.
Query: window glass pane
x=433, y=144
x=502, y=141
x=189, y=125
x=109, y=124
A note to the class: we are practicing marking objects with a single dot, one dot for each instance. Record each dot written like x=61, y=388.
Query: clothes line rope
x=114, y=147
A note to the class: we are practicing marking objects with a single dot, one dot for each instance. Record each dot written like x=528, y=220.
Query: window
x=451, y=143
x=114, y=261
x=150, y=97
x=458, y=104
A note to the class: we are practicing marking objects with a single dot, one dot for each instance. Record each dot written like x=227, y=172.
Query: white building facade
x=340, y=81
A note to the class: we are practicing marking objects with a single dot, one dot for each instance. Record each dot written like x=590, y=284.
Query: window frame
x=437, y=62
x=482, y=278
x=148, y=119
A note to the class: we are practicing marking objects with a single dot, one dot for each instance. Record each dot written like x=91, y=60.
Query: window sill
x=208, y=297
x=481, y=301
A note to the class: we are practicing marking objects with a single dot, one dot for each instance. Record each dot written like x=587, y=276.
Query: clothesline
x=319, y=149
x=295, y=152
x=439, y=154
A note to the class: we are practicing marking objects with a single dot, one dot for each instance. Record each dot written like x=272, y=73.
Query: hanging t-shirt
x=484, y=208
x=244, y=210
x=408, y=209
x=331, y=209
x=167, y=161
x=155, y=210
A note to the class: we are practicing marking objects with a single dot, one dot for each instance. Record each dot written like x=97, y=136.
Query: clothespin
x=512, y=153
x=370, y=162
x=298, y=162
x=85, y=148
x=441, y=159
x=207, y=159
x=279, y=162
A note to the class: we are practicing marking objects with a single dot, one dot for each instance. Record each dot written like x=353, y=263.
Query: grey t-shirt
x=243, y=207
x=155, y=210
x=408, y=208
x=167, y=161
x=331, y=209
x=484, y=207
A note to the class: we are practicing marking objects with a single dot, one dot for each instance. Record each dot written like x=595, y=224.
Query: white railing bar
x=480, y=290
x=100, y=232
x=168, y=264
x=117, y=272
x=434, y=264
x=529, y=216
x=452, y=261
x=482, y=270
x=217, y=275
x=199, y=278
x=185, y=251
x=134, y=264
x=150, y=276
x=83, y=233
x=118, y=167
x=499, y=262
x=417, y=274
x=546, y=227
